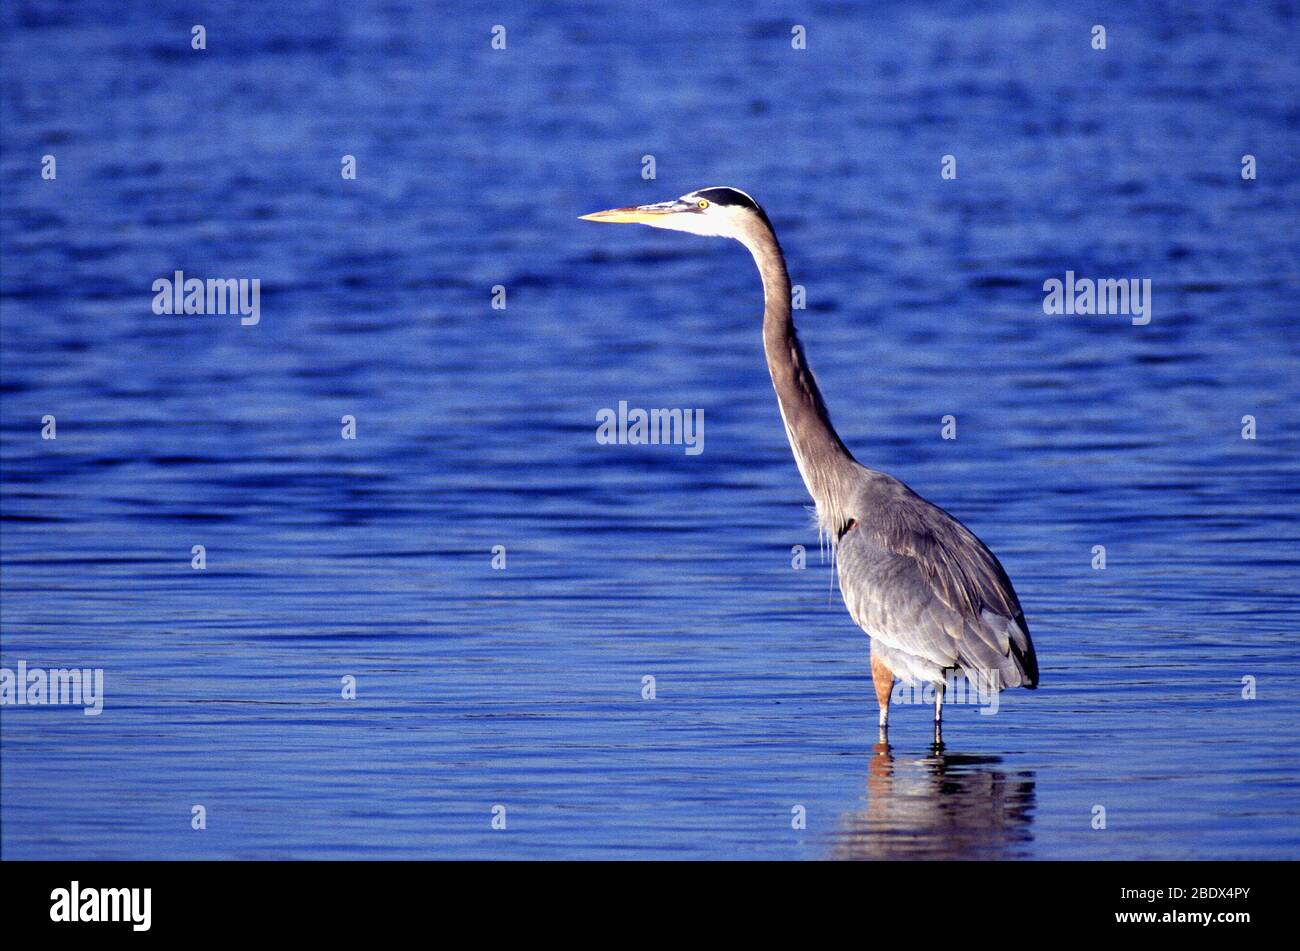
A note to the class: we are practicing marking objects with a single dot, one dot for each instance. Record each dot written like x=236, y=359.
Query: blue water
x=522, y=687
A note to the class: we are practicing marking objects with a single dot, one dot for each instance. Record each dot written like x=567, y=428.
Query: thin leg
x=883, y=678
x=938, y=713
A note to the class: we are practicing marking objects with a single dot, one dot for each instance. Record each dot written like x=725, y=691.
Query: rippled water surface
x=476, y=428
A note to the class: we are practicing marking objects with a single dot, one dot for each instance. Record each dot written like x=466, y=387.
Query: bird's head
x=714, y=212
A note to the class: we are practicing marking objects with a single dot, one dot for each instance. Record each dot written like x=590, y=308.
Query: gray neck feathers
x=828, y=468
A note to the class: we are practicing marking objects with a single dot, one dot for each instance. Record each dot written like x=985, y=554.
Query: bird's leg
x=938, y=714
x=883, y=678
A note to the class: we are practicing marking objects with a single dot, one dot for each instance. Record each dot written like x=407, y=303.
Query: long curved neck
x=825, y=463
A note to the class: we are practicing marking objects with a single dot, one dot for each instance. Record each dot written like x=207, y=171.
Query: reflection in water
x=945, y=806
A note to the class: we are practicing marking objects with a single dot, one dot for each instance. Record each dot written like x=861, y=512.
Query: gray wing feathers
x=929, y=591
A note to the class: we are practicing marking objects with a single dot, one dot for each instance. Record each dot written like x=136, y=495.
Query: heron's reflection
x=942, y=806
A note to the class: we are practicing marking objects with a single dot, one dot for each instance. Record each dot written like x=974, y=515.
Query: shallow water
x=476, y=428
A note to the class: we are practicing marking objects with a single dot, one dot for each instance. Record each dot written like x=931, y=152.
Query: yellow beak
x=636, y=214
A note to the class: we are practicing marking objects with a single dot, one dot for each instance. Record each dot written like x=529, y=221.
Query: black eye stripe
x=726, y=196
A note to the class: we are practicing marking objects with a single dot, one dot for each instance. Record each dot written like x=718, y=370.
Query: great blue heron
x=930, y=594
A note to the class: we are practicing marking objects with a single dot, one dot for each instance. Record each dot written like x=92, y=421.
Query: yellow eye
x=702, y=203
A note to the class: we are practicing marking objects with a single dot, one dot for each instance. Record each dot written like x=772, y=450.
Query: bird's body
x=931, y=595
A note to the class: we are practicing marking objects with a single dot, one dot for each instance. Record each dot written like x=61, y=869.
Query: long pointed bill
x=636, y=214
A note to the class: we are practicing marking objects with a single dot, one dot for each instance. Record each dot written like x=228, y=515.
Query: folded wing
x=930, y=594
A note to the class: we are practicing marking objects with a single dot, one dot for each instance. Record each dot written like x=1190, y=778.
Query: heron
x=933, y=599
